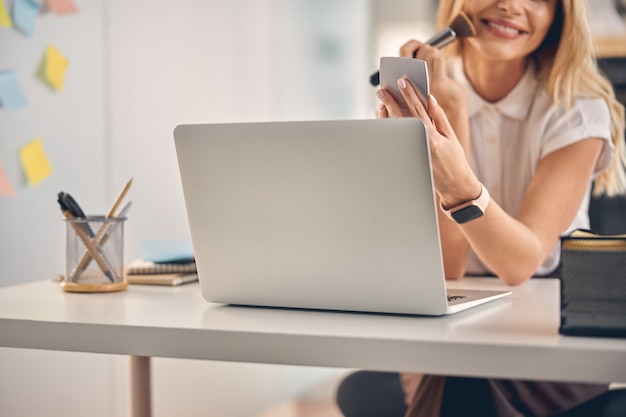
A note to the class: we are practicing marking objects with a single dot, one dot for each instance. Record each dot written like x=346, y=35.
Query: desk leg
x=141, y=404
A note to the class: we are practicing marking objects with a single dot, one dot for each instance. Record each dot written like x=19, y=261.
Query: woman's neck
x=493, y=79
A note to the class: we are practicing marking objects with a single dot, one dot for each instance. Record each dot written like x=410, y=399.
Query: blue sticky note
x=167, y=251
x=24, y=15
x=11, y=94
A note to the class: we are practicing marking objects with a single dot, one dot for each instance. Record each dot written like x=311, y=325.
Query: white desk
x=516, y=337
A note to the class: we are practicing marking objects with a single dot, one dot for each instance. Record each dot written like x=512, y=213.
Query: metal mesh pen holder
x=94, y=254
x=593, y=286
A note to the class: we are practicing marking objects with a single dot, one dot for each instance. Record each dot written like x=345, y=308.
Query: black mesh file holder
x=593, y=286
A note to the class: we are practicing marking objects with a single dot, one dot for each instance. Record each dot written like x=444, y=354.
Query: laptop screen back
x=333, y=215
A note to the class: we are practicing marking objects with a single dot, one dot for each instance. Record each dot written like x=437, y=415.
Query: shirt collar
x=515, y=105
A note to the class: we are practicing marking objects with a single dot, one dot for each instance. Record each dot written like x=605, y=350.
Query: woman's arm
x=512, y=248
x=454, y=244
x=452, y=98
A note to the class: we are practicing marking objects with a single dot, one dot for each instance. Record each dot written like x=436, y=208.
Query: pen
x=70, y=205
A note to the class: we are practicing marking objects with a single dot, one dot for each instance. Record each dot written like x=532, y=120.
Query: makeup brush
x=460, y=27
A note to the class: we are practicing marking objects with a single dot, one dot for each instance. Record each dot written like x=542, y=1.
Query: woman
x=522, y=123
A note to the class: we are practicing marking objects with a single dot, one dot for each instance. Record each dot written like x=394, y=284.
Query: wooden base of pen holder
x=78, y=287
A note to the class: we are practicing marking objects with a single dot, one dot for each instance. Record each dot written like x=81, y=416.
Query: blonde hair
x=568, y=69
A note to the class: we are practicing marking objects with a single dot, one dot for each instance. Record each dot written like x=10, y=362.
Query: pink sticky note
x=62, y=6
x=5, y=185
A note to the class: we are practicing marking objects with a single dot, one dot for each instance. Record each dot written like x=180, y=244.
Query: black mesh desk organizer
x=593, y=286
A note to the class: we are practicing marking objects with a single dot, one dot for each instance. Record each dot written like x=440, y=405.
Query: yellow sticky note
x=5, y=19
x=54, y=67
x=5, y=185
x=35, y=162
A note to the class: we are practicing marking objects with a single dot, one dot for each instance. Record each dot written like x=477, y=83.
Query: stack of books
x=163, y=263
x=141, y=271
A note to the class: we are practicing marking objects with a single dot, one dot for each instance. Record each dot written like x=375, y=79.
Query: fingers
x=415, y=105
x=430, y=54
x=427, y=53
x=409, y=49
x=382, y=112
x=439, y=118
x=392, y=108
x=434, y=117
x=434, y=60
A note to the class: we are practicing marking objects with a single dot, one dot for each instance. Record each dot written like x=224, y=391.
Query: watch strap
x=478, y=206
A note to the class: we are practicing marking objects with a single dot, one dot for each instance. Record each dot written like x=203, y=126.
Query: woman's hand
x=454, y=180
x=450, y=94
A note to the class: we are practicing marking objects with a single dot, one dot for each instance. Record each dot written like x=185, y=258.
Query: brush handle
x=439, y=40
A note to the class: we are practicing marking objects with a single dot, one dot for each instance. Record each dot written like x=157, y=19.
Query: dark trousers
x=379, y=394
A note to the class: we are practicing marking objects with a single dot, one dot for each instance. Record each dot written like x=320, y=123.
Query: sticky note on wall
x=35, y=162
x=25, y=15
x=61, y=6
x=11, y=94
x=5, y=185
x=54, y=67
x=5, y=19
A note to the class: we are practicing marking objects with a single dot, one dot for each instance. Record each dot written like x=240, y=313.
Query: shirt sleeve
x=587, y=118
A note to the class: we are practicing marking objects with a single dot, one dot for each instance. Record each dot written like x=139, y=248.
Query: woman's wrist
x=452, y=199
x=459, y=120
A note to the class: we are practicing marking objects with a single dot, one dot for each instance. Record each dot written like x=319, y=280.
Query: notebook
x=142, y=267
x=331, y=215
x=162, y=279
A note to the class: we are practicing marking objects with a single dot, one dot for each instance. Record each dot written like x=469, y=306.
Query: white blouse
x=511, y=136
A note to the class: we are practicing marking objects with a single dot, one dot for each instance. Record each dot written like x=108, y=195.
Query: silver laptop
x=333, y=215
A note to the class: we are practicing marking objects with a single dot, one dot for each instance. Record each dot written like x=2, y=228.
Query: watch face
x=466, y=214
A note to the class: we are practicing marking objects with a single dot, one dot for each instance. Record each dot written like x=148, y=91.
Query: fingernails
x=433, y=99
x=402, y=83
x=380, y=94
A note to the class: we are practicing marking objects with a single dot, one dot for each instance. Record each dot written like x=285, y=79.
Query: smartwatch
x=469, y=210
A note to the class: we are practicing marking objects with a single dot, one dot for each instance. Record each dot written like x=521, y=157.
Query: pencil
x=84, y=261
x=119, y=199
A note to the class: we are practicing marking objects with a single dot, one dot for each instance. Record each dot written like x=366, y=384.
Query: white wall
x=137, y=69
x=71, y=125
x=200, y=62
x=214, y=62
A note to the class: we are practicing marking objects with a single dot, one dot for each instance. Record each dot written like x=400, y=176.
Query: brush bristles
x=463, y=26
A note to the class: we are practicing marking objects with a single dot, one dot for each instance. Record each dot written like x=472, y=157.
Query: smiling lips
x=503, y=30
